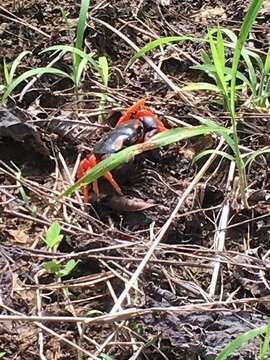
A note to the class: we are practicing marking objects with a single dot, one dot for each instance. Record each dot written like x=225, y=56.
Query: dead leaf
x=15, y=127
x=165, y=2
x=125, y=204
x=19, y=236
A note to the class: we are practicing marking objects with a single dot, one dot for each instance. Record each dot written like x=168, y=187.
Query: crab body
x=137, y=125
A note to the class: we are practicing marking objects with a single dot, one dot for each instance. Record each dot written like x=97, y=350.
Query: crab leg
x=108, y=176
x=131, y=111
x=87, y=164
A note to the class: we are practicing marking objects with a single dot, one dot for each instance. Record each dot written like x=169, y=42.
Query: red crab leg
x=85, y=165
x=108, y=176
x=131, y=111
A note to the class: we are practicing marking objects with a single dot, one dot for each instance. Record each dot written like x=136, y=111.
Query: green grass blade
x=30, y=73
x=222, y=131
x=200, y=86
x=220, y=48
x=6, y=72
x=249, y=19
x=156, y=43
x=265, y=345
x=159, y=140
x=254, y=154
x=81, y=24
x=73, y=50
x=219, y=67
x=78, y=74
x=213, y=151
x=67, y=22
x=104, y=69
x=206, y=58
x=227, y=71
x=247, y=55
x=239, y=341
x=267, y=63
x=16, y=62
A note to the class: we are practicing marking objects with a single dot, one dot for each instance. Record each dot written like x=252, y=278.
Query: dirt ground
x=203, y=286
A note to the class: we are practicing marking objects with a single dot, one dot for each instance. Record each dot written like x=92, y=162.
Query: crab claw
x=131, y=111
x=87, y=164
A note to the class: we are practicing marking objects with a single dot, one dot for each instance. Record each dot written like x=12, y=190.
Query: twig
x=219, y=238
x=128, y=314
x=160, y=73
x=164, y=230
x=14, y=18
x=37, y=321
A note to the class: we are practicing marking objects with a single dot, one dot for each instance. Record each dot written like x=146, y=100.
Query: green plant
x=80, y=58
x=244, y=338
x=225, y=79
x=60, y=270
x=53, y=235
x=7, y=90
x=10, y=69
x=215, y=66
x=52, y=238
x=10, y=82
x=104, y=74
x=105, y=356
x=159, y=140
x=257, y=79
x=18, y=183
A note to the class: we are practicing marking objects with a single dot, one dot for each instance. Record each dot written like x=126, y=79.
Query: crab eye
x=148, y=122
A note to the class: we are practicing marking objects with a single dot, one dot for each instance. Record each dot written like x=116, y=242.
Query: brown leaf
x=15, y=127
x=19, y=236
x=123, y=203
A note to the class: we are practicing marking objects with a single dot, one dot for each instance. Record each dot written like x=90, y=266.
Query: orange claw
x=131, y=111
x=85, y=165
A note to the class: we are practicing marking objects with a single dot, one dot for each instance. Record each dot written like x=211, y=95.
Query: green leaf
x=222, y=131
x=256, y=153
x=200, y=86
x=104, y=69
x=105, y=356
x=265, y=345
x=212, y=151
x=6, y=72
x=93, y=313
x=219, y=67
x=249, y=19
x=220, y=49
x=267, y=63
x=159, y=140
x=239, y=341
x=73, y=50
x=68, y=268
x=30, y=73
x=51, y=266
x=227, y=71
x=79, y=70
x=53, y=236
x=16, y=63
x=206, y=58
x=156, y=43
x=81, y=23
x=18, y=182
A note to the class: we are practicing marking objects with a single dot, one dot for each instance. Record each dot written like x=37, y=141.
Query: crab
x=137, y=125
